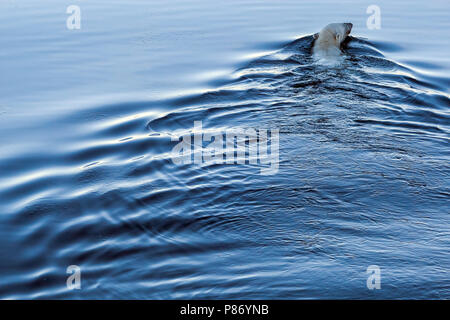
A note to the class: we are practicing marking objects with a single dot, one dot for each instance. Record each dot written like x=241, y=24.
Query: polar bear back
x=329, y=40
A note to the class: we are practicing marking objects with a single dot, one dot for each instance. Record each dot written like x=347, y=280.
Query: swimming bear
x=328, y=41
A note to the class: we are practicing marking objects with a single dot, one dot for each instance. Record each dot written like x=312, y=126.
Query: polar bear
x=329, y=40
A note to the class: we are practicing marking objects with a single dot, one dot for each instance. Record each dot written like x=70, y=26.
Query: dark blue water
x=88, y=176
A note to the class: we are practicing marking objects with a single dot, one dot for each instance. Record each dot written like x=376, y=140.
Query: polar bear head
x=330, y=38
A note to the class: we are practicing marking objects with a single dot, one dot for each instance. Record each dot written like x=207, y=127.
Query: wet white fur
x=328, y=41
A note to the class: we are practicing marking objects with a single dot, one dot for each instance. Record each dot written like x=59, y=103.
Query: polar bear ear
x=338, y=37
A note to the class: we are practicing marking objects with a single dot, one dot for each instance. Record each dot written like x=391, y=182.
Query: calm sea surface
x=88, y=124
